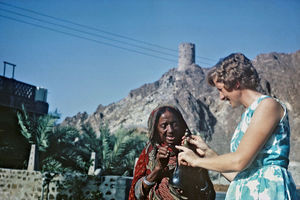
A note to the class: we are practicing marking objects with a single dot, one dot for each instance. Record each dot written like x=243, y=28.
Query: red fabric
x=141, y=170
x=163, y=189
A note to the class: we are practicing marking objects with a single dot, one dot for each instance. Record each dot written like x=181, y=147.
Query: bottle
x=190, y=182
x=178, y=182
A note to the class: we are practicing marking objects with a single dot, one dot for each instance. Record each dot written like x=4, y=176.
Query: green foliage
x=58, y=151
x=116, y=152
x=119, y=151
x=36, y=130
x=76, y=183
x=66, y=149
x=50, y=164
x=64, y=153
x=26, y=125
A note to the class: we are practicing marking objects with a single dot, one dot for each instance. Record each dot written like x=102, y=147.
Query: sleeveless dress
x=267, y=176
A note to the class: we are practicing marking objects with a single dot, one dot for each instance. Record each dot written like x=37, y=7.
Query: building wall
x=14, y=148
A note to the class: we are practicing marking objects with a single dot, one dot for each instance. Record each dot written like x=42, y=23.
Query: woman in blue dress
x=258, y=161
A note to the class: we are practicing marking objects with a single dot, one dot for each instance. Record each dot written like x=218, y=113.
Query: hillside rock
x=200, y=104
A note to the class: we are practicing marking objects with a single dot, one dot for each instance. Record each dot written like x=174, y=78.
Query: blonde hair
x=232, y=69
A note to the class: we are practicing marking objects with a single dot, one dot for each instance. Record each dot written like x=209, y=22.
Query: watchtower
x=186, y=56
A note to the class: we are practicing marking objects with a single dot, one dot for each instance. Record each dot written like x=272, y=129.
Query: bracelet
x=148, y=183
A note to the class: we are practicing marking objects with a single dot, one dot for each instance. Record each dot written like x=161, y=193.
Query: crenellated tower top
x=186, y=56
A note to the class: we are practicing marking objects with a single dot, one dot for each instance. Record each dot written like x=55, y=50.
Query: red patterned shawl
x=145, y=164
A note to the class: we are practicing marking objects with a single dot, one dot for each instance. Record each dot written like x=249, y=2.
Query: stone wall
x=20, y=184
x=23, y=185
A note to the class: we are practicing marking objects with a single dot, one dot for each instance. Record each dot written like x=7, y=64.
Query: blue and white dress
x=267, y=176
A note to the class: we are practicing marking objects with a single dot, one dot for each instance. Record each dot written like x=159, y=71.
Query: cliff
x=200, y=104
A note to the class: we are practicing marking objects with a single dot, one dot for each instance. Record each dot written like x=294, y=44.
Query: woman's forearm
x=229, y=162
x=147, y=182
x=210, y=153
x=155, y=175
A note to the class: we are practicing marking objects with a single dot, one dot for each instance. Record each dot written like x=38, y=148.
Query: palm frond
x=25, y=125
x=126, y=149
x=88, y=130
x=44, y=129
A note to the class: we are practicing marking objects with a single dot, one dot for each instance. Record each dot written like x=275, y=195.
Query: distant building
x=186, y=57
x=14, y=94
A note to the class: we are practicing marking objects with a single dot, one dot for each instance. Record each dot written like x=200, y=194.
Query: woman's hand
x=162, y=158
x=200, y=146
x=187, y=156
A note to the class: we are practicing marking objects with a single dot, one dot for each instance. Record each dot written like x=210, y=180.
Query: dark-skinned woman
x=158, y=160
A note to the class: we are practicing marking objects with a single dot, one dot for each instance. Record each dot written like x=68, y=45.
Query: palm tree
x=64, y=154
x=66, y=149
x=119, y=150
x=116, y=152
x=36, y=129
x=56, y=145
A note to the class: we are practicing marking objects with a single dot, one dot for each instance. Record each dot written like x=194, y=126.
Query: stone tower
x=186, y=56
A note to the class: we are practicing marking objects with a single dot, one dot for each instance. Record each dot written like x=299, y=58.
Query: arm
x=209, y=153
x=162, y=159
x=142, y=183
x=204, y=150
x=263, y=123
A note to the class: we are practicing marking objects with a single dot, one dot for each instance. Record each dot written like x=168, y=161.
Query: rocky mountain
x=186, y=88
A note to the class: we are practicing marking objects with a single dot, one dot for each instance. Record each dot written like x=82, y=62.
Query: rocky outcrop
x=199, y=102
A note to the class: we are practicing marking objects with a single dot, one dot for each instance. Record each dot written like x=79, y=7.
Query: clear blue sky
x=81, y=69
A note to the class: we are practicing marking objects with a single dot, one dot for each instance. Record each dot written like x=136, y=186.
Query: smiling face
x=170, y=128
x=228, y=95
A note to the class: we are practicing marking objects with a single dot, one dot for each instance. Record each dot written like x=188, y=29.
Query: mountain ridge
x=204, y=112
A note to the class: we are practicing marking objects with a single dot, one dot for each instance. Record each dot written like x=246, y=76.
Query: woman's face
x=225, y=95
x=170, y=128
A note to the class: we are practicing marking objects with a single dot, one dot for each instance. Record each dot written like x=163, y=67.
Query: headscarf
x=154, y=117
x=146, y=161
